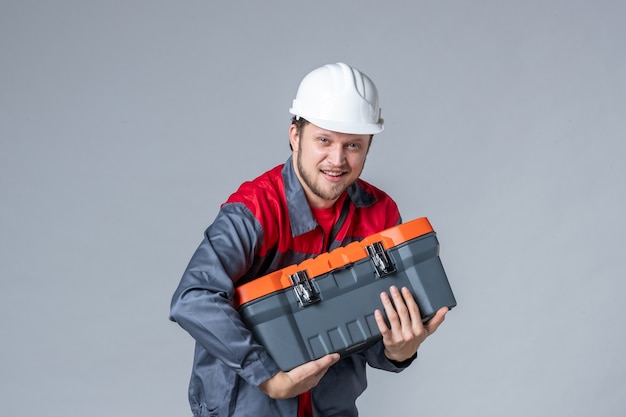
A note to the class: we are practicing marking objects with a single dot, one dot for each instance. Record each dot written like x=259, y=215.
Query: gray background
x=124, y=125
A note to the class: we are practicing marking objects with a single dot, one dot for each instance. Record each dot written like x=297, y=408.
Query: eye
x=354, y=146
x=323, y=140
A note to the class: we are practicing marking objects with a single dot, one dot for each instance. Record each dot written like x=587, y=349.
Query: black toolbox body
x=334, y=311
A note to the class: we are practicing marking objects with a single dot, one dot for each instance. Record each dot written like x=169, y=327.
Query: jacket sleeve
x=375, y=357
x=202, y=302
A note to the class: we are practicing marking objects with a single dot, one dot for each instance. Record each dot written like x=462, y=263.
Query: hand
x=300, y=379
x=406, y=332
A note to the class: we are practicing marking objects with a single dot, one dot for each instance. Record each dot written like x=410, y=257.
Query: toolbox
x=326, y=304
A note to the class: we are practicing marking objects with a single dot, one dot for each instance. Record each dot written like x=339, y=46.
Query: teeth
x=333, y=174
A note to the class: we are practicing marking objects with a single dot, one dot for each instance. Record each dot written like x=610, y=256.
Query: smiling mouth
x=333, y=174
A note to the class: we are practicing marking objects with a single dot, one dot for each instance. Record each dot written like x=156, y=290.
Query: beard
x=330, y=193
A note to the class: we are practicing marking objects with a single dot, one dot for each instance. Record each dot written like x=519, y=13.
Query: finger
x=404, y=314
x=307, y=375
x=381, y=323
x=398, y=301
x=413, y=308
x=315, y=366
x=433, y=324
x=390, y=311
x=327, y=361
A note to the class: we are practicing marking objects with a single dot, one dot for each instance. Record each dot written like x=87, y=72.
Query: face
x=327, y=162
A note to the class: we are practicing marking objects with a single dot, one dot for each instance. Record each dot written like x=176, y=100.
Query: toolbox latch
x=380, y=259
x=304, y=290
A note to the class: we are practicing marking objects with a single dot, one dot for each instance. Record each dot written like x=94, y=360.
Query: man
x=311, y=204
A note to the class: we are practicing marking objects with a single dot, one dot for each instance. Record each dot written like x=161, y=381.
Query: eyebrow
x=330, y=135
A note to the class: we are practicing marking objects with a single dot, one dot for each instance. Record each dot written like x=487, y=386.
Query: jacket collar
x=300, y=215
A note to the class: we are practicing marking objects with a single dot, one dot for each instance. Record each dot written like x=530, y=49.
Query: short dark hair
x=299, y=123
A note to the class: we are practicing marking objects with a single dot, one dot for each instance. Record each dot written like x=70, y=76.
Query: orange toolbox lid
x=329, y=261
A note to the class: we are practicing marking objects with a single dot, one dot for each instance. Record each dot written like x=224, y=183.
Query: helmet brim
x=343, y=127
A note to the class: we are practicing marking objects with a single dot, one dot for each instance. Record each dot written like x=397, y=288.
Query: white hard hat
x=340, y=98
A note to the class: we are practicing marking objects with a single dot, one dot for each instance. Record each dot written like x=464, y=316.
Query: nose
x=337, y=155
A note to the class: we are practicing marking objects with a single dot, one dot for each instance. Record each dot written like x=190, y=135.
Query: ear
x=294, y=139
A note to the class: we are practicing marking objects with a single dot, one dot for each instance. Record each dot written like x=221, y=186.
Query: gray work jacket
x=264, y=226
